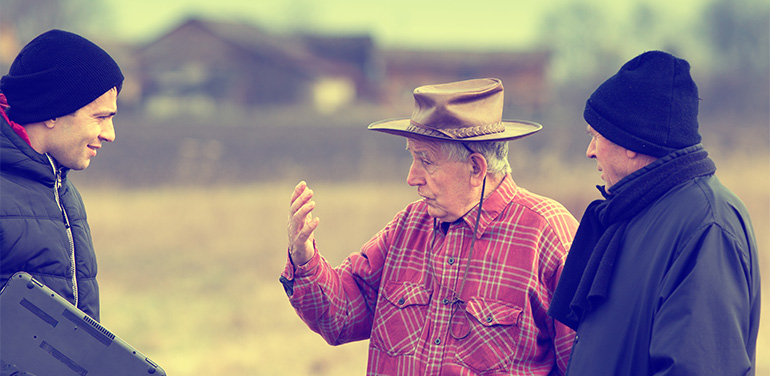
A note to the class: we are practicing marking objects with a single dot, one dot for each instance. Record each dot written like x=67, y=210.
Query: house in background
x=204, y=66
x=355, y=56
x=523, y=74
x=208, y=68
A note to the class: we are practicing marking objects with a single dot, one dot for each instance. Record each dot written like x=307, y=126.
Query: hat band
x=456, y=133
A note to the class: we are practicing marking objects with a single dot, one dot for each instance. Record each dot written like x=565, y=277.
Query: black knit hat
x=650, y=106
x=56, y=74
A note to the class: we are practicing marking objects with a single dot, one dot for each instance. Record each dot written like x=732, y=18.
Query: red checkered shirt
x=399, y=290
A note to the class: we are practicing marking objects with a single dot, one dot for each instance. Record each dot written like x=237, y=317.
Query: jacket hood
x=17, y=156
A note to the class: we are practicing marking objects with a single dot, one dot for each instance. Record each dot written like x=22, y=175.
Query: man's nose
x=591, y=150
x=413, y=178
x=108, y=131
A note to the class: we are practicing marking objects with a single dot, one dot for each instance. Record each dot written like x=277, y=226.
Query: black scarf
x=586, y=276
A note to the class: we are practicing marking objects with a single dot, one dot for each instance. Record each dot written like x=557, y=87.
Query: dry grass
x=190, y=275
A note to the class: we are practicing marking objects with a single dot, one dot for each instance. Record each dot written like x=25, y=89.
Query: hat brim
x=402, y=127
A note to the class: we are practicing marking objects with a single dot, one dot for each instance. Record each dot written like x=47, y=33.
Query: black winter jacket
x=43, y=228
x=684, y=298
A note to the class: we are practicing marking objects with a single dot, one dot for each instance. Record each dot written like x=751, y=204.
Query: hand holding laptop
x=11, y=370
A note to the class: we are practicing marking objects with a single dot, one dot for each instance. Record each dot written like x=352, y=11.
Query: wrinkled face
x=75, y=138
x=444, y=185
x=611, y=159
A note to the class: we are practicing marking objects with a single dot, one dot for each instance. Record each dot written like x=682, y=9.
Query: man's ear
x=639, y=160
x=478, y=168
x=50, y=123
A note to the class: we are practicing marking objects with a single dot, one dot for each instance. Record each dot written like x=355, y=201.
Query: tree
x=582, y=49
x=738, y=39
x=28, y=18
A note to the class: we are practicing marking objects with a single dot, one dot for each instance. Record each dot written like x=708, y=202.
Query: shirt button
x=489, y=318
x=437, y=341
x=401, y=301
x=451, y=261
x=445, y=301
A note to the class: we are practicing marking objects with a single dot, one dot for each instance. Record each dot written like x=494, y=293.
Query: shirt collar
x=492, y=206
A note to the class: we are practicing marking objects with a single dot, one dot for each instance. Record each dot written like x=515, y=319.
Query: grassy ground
x=189, y=275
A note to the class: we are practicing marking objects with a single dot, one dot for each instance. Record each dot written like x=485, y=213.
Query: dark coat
x=34, y=233
x=684, y=297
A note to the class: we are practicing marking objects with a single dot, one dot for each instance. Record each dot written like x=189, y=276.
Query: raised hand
x=301, y=224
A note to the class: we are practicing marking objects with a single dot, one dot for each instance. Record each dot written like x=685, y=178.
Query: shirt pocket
x=493, y=341
x=401, y=314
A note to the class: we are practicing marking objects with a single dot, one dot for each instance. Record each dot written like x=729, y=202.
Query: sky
x=393, y=22
x=440, y=24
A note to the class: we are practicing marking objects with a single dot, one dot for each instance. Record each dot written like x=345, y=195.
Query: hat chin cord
x=456, y=302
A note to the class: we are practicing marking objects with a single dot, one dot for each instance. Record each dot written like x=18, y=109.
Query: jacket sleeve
x=338, y=303
x=702, y=323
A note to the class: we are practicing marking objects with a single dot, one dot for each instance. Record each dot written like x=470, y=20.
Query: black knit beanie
x=56, y=74
x=650, y=106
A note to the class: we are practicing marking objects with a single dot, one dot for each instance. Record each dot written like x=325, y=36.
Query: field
x=189, y=272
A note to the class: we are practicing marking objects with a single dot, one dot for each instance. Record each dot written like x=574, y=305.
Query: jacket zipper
x=73, y=267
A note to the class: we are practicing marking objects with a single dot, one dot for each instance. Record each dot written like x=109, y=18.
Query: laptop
x=42, y=333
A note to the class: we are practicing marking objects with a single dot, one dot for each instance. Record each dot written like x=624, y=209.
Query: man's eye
x=426, y=162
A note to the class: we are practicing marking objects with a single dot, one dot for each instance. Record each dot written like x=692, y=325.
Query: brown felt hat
x=468, y=110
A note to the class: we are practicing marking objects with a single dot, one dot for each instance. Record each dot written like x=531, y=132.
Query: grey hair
x=495, y=152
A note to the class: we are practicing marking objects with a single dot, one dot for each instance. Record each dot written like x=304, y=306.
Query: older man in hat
x=663, y=275
x=57, y=104
x=458, y=283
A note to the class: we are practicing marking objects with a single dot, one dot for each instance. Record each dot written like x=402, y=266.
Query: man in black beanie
x=57, y=105
x=663, y=275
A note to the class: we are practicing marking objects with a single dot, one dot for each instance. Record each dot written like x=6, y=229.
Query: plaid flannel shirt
x=400, y=290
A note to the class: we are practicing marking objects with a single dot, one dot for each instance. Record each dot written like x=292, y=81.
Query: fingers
x=300, y=198
x=301, y=222
x=298, y=191
x=301, y=205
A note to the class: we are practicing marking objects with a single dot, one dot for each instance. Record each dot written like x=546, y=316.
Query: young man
x=57, y=104
x=662, y=277
x=459, y=282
